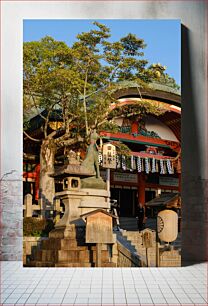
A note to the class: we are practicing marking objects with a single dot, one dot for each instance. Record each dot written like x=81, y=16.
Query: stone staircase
x=68, y=249
x=169, y=255
x=127, y=253
x=130, y=225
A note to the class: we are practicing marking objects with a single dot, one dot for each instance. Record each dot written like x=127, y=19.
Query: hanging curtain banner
x=146, y=165
x=142, y=164
x=153, y=165
x=162, y=170
x=169, y=167
x=139, y=164
x=133, y=163
x=118, y=161
x=123, y=162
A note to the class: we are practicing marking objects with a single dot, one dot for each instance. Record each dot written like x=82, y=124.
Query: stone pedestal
x=66, y=246
x=78, y=202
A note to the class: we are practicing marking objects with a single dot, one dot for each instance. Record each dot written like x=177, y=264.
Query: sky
x=163, y=37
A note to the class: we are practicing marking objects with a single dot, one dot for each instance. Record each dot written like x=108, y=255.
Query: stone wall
x=11, y=217
x=170, y=258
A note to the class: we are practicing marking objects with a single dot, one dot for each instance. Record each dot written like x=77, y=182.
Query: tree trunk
x=47, y=184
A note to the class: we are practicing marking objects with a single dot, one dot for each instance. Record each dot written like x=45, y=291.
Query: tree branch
x=54, y=133
x=39, y=113
x=31, y=138
x=67, y=142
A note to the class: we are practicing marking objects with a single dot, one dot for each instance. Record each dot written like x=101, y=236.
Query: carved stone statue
x=88, y=170
x=91, y=159
x=91, y=164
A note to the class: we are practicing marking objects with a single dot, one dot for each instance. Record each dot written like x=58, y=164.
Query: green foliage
x=140, y=108
x=109, y=126
x=121, y=148
x=81, y=80
x=36, y=227
x=50, y=79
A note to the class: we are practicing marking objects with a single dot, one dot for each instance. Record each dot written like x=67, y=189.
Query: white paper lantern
x=167, y=225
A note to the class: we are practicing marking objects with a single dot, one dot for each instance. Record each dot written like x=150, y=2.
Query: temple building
x=152, y=165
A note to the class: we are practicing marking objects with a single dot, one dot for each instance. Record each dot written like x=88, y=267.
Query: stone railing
x=168, y=256
x=29, y=207
x=127, y=258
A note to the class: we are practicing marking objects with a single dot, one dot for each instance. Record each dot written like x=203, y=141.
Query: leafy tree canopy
x=80, y=80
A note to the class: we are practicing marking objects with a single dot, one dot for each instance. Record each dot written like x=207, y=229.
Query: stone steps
x=67, y=248
x=79, y=254
x=64, y=244
x=130, y=227
x=74, y=265
x=168, y=257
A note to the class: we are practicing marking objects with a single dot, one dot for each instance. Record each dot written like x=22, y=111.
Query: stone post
x=28, y=205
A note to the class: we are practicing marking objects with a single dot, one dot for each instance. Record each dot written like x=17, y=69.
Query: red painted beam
x=141, y=139
x=143, y=155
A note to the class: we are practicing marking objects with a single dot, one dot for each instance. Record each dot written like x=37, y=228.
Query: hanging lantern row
x=142, y=164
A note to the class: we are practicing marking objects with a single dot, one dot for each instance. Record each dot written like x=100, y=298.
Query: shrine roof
x=164, y=93
x=97, y=211
x=163, y=200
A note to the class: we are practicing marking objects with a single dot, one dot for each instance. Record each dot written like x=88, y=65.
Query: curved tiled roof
x=160, y=93
x=154, y=90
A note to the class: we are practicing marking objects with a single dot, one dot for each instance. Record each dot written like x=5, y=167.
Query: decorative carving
x=72, y=158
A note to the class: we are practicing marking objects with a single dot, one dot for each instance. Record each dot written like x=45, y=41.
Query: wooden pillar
x=37, y=179
x=141, y=188
x=98, y=254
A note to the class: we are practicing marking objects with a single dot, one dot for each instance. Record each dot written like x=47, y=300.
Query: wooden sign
x=99, y=228
x=147, y=239
x=109, y=156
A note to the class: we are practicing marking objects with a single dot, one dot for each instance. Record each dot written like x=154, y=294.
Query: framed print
x=101, y=143
x=150, y=149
